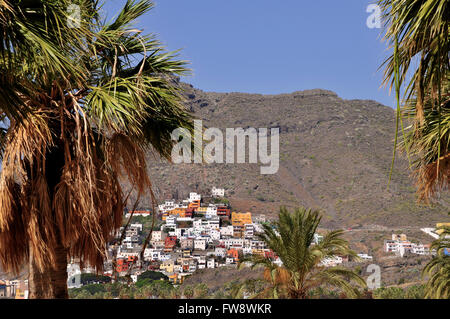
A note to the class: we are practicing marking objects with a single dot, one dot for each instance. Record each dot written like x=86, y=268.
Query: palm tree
x=438, y=269
x=418, y=31
x=82, y=108
x=425, y=143
x=291, y=239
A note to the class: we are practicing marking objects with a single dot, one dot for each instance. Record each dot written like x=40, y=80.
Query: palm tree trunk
x=51, y=283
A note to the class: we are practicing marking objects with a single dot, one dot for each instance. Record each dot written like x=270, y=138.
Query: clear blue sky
x=272, y=47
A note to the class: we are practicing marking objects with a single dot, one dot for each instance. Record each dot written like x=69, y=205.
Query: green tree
x=291, y=239
x=415, y=292
x=418, y=31
x=201, y=291
x=83, y=294
x=143, y=282
x=83, y=106
x=161, y=289
x=389, y=293
x=438, y=269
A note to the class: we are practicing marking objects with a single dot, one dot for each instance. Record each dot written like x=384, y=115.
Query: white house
x=365, y=256
x=137, y=227
x=211, y=211
x=217, y=192
x=73, y=275
x=214, y=234
x=197, y=224
x=194, y=197
x=317, y=239
x=248, y=231
x=210, y=263
x=331, y=261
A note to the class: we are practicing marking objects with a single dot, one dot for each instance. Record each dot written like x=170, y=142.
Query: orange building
x=123, y=264
x=223, y=211
x=241, y=219
x=180, y=212
x=233, y=253
x=169, y=243
x=194, y=204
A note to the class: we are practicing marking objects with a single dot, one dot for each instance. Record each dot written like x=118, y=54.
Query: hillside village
x=192, y=236
x=196, y=233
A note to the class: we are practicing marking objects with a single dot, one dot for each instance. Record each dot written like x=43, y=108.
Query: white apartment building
x=181, y=232
x=420, y=249
x=199, y=244
x=164, y=257
x=214, y=222
x=257, y=244
x=157, y=235
x=152, y=254
x=171, y=221
x=211, y=211
x=233, y=242
x=137, y=227
x=168, y=205
x=249, y=231
x=226, y=231
x=220, y=252
x=398, y=246
x=391, y=246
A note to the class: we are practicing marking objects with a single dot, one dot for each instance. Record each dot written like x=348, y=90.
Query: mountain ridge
x=335, y=155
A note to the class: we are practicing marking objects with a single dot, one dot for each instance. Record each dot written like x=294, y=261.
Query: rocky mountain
x=335, y=154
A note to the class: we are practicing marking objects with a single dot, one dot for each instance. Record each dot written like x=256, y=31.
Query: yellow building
x=167, y=266
x=258, y=252
x=201, y=210
x=441, y=225
x=177, y=279
x=241, y=219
